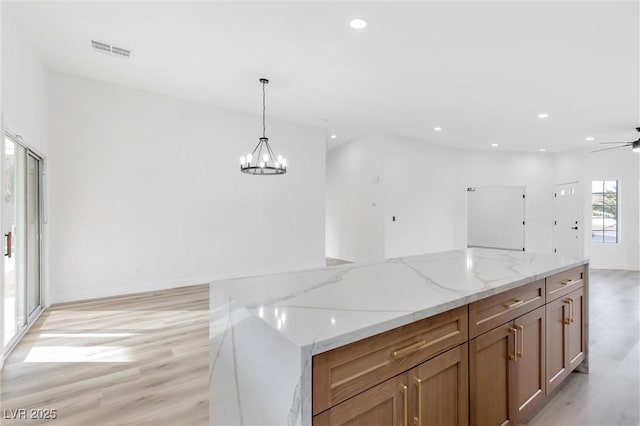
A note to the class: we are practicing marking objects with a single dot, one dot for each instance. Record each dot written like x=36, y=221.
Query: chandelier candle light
x=262, y=161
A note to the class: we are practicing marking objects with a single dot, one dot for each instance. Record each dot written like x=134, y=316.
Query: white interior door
x=567, y=224
x=495, y=217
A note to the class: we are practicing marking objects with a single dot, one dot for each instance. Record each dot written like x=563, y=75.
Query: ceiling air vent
x=110, y=50
x=118, y=51
x=100, y=47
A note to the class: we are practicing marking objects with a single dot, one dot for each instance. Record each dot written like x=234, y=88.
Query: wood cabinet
x=493, y=311
x=344, y=372
x=433, y=393
x=492, y=377
x=491, y=362
x=530, y=363
x=565, y=282
x=440, y=389
x=507, y=378
x=565, y=336
x=385, y=404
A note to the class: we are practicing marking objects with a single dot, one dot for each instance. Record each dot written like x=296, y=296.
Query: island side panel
x=584, y=365
x=255, y=373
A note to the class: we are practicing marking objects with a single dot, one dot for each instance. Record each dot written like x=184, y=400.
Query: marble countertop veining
x=322, y=309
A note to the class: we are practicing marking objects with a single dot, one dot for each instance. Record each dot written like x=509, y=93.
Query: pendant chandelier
x=262, y=161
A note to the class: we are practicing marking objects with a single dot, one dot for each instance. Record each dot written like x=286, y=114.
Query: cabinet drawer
x=493, y=311
x=346, y=371
x=565, y=282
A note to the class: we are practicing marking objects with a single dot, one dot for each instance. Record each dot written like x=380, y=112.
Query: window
x=604, y=211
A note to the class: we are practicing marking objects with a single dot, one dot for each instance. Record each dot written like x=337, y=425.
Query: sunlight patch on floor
x=79, y=354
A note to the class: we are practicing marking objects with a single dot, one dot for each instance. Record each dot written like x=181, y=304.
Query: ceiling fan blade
x=604, y=143
x=607, y=149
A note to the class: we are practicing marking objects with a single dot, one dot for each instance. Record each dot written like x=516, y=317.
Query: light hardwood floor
x=143, y=359
x=140, y=359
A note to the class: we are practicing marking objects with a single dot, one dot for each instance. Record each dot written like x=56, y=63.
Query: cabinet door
x=530, y=361
x=439, y=389
x=557, y=318
x=575, y=328
x=383, y=405
x=492, y=377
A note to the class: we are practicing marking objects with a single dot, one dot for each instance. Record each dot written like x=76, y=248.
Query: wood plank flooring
x=143, y=360
x=139, y=359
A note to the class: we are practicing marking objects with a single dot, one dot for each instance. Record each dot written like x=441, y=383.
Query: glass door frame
x=31, y=317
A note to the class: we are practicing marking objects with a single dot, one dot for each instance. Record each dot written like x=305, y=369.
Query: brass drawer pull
x=516, y=302
x=568, y=282
x=418, y=420
x=406, y=405
x=515, y=344
x=566, y=302
x=570, y=300
x=521, y=329
x=413, y=347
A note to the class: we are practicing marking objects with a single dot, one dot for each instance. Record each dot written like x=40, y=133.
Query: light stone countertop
x=267, y=328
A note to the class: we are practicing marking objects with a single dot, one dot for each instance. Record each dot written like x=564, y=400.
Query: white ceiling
x=480, y=70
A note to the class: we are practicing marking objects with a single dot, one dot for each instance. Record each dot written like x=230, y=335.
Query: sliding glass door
x=21, y=229
x=33, y=234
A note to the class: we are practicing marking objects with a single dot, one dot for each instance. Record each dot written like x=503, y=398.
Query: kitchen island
x=318, y=346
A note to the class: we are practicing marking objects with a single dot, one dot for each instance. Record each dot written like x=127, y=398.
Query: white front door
x=567, y=223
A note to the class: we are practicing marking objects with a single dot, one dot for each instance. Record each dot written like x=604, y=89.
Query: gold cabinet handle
x=516, y=302
x=515, y=344
x=413, y=347
x=570, y=308
x=406, y=405
x=521, y=329
x=418, y=419
x=566, y=320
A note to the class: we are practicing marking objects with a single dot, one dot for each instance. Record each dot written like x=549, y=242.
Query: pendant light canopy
x=262, y=160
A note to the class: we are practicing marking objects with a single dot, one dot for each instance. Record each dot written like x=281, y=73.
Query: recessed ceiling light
x=543, y=149
x=358, y=23
x=590, y=138
x=543, y=115
x=494, y=145
x=333, y=136
x=437, y=129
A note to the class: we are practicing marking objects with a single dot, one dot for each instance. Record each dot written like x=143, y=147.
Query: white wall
x=149, y=194
x=423, y=193
x=424, y=186
x=25, y=109
x=622, y=165
x=354, y=202
x=24, y=86
x=426, y=190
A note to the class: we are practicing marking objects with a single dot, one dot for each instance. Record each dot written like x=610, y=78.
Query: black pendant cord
x=264, y=127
